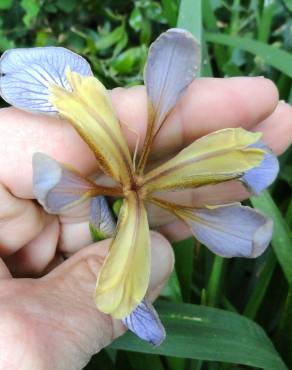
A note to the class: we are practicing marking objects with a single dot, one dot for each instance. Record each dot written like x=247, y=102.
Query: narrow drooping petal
x=124, y=277
x=230, y=230
x=88, y=107
x=220, y=156
x=145, y=323
x=27, y=73
x=173, y=60
x=101, y=218
x=59, y=187
x=259, y=178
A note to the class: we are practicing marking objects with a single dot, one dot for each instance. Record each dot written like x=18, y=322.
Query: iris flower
x=53, y=80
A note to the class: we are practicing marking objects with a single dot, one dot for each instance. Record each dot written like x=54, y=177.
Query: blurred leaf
x=270, y=55
x=172, y=289
x=66, y=5
x=263, y=275
x=215, y=283
x=142, y=361
x=286, y=173
x=170, y=10
x=154, y=12
x=105, y=42
x=146, y=29
x=281, y=241
x=31, y=8
x=206, y=333
x=135, y=19
x=5, y=4
x=184, y=260
x=288, y=3
x=5, y=43
x=190, y=18
x=131, y=58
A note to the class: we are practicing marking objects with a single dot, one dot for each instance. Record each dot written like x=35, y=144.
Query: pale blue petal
x=55, y=186
x=232, y=230
x=145, y=323
x=27, y=73
x=259, y=178
x=173, y=60
x=101, y=216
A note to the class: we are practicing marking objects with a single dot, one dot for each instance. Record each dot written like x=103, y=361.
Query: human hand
x=234, y=103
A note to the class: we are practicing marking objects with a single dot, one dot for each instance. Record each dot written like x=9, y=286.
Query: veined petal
x=124, y=277
x=88, y=107
x=59, y=187
x=27, y=73
x=145, y=323
x=101, y=218
x=230, y=230
x=173, y=60
x=220, y=156
x=259, y=178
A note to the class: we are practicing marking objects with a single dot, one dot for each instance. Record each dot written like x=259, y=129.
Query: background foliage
x=219, y=314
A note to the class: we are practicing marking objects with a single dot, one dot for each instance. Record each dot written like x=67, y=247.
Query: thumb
x=71, y=286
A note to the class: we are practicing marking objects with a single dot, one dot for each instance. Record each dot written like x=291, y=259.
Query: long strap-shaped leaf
x=206, y=333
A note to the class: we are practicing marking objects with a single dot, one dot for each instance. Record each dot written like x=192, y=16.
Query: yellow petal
x=89, y=109
x=124, y=277
x=220, y=156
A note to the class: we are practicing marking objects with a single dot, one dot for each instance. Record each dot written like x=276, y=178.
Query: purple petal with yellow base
x=259, y=178
x=27, y=73
x=58, y=187
x=231, y=230
x=173, y=60
x=145, y=323
x=102, y=221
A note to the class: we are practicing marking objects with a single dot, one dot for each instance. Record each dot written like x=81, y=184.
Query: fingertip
x=211, y=104
x=162, y=260
x=131, y=107
x=277, y=128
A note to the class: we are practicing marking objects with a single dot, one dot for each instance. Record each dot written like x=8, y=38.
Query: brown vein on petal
x=163, y=173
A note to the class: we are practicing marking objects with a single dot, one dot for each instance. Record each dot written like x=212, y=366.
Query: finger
x=58, y=312
x=209, y=104
x=20, y=222
x=75, y=230
x=73, y=284
x=277, y=128
x=34, y=258
x=4, y=272
x=233, y=102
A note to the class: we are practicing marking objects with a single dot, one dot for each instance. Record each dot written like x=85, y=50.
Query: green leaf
x=135, y=19
x=281, y=241
x=111, y=38
x=172, y=289
x=5, y=4
x=269, y=54
x=264, y=275
x=140, y=361
x=288, y=3
x=66, y=5
x=190, y=18
x=184, y=261
x=206, y=333
x=170, y=10
x=31, y=8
